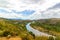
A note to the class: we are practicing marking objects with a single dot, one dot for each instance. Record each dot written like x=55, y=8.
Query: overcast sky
x=29, y=9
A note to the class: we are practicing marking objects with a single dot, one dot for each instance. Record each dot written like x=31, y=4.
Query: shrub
x=6, y=33
x=51, y=38
x=58, y=38
x=32, y=34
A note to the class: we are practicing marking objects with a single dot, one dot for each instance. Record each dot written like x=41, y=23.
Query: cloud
x=32, y=1
x=4, y=3
x=55, y=6
x=20, y=5
x=13, y=14
x=24, y=12
x=52, y=13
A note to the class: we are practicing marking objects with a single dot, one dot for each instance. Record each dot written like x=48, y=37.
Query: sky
x=29, y=9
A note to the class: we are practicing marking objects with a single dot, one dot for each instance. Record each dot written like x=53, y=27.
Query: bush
x=1, y=33
x=32, y=34
x=6, y=33
x=51, y=38
x=58, y=38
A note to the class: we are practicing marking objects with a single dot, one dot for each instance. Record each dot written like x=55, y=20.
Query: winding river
x=36, y=32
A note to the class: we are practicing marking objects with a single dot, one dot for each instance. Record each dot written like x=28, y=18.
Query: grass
x=16, y=29
x=50, y=26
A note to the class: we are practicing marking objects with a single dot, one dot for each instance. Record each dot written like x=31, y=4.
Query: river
x=36, y=32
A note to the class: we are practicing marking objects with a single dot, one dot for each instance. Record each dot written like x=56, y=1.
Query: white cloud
x=21, y=5
x=11, y=15
x=52, y=13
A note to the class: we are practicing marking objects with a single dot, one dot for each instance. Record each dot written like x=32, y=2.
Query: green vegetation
x=50, y=26
x=11, y=28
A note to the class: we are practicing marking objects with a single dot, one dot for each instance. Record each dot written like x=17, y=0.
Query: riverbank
x=49, y=26
x=36, y=32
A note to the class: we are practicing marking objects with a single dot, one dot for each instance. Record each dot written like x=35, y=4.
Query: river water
x=36, y=32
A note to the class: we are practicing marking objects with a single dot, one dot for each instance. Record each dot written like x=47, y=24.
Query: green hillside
x=50, y=26
x=14, y=28
x=11, y=28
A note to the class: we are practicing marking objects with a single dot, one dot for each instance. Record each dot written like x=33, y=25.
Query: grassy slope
x=17, y=28
x=50, y=26
x=14, y=28
x=9, y=29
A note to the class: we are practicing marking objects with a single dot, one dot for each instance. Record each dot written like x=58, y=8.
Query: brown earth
x=11, y=38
